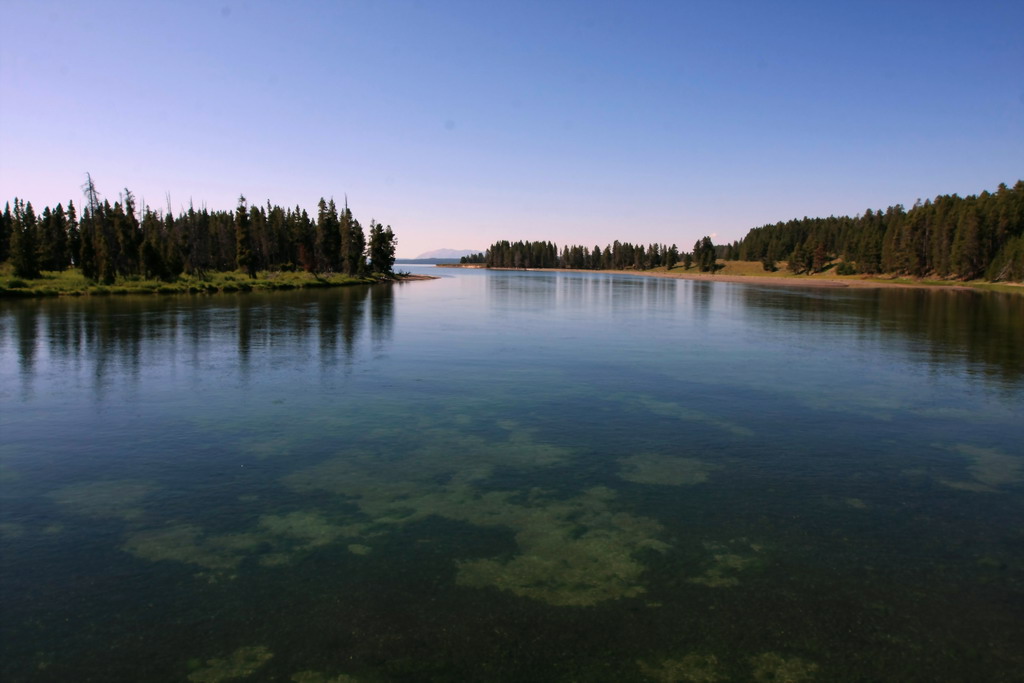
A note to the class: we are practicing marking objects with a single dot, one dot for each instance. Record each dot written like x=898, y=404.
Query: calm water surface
x=514, y=477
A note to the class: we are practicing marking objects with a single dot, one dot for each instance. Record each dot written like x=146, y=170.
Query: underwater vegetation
x=577, y=552
x=684, y=413
x=767, y=667
x=728, y=560
x=308, y=528
x=275, y=540
x=571, y=550
x=700, y=483
x=990, y=469
x=241, y=663
x=317, y=677
x=664, y=470
x=695, y=668
x=120, y=498
x=189, y=544
x=772, y=667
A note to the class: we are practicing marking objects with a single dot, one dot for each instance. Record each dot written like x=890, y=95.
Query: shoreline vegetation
x=128, y=248
x=948, y=241
x=72, y=282
x=751, y=272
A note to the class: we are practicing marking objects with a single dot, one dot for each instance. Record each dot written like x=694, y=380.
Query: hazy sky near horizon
x=460, y=123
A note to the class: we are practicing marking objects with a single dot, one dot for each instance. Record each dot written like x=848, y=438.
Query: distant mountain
x=425, y=261
x=448, y=253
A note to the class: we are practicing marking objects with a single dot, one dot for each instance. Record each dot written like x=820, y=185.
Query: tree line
x=615, y=256
x=979, y=236
x=122, y=240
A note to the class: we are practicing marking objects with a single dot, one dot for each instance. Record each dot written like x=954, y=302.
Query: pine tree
x=300, y=234
x=177, y=249
x=59, y=256
x=51, y=240
x=128, y=234
x=819, y=257
x=43, y=240
x=381, y=250
x=150, y=252
x=74, y=235
x=87, y=249
x=327, y=239
x=671, y=257
x=259, y=238
x=6, y=227
x=798, y=260
x=243, y=239
x=704, y=254
x=104, y=243
x=968, y=249
x=353, y=244
x=278, y=253
x=23, y=241
x=344, y=237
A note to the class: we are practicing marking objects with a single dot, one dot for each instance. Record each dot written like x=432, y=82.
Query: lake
x=514, y=476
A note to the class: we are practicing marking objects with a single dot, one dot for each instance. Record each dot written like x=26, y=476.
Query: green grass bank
x=71, y=282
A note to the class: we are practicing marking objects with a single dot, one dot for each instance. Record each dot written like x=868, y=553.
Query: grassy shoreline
x=71, y=282
x=751, y=272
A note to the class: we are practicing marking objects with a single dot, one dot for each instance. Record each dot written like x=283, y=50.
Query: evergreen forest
x=121, y=240
x=950, y=237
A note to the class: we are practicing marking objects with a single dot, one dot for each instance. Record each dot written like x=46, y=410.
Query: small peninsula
x=125, y=248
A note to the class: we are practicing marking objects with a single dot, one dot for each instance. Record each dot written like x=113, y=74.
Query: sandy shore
x=791, y=281
x=860, y=282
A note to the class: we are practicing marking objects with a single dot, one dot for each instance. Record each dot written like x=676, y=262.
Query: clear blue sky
x=459, y=123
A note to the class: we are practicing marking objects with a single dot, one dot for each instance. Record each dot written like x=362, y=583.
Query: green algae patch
x=112, y=499
x=692, y=668
x=317, y=677
x=444, y=455
x=770, y=667
x=664, y=470
x=277, y=539
x=728, y=561
x=359, y=549
x=685, y=414
x=188, y=544
x=572, y=552
x=309, y=528
x=275, y=559
x=990, y=469
x=467, y=458
x=575, y=552
x=242, y=663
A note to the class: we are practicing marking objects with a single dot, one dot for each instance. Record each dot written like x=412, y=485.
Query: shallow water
x=514, y=476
